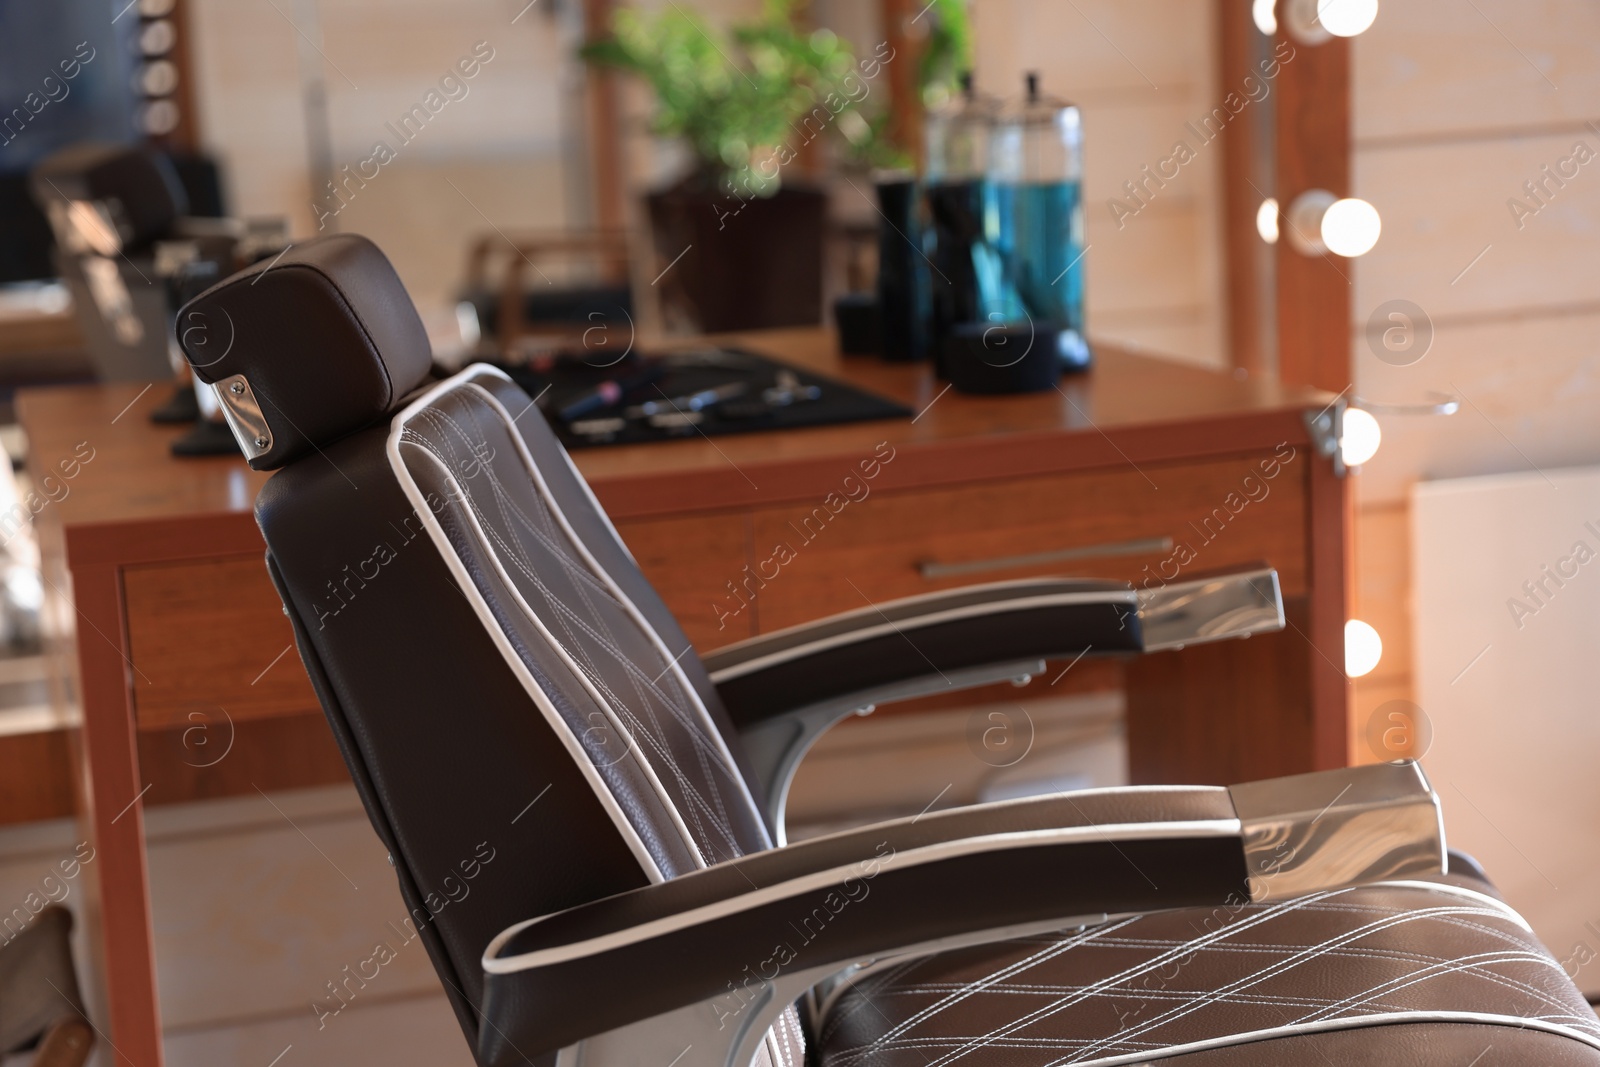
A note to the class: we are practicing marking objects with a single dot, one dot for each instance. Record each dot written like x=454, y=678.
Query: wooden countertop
x=1129, y=409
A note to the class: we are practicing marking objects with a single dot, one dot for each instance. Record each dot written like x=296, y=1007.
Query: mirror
x=432, y=128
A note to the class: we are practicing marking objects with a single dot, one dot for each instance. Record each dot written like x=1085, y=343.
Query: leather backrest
x=527, y=724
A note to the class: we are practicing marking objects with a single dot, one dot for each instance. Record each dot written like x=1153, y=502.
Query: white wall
x=1510, y=690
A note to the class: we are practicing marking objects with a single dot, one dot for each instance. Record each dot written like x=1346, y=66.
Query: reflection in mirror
x=464, y=139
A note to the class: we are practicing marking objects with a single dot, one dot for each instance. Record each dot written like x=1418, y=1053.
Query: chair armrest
x=979, y=625
x=921, y=637
x=785, y=689
x=740, y=935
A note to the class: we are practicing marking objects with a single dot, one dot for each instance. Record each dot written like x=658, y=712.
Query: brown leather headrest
x=306, y=348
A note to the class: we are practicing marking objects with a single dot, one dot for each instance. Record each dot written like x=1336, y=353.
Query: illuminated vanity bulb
x=1266, y=18
x=1316, y=22
x=1346, y=18
x=1360, y=438
x=1267, y=220
x=1350, y=227
x=1320, y=222
x=1363, y=648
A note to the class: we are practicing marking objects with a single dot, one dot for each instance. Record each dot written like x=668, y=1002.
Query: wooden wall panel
x=1147, y=267
x=1439, y=68
x=1443, y=205
x=1534, y=385
x=1139, y=46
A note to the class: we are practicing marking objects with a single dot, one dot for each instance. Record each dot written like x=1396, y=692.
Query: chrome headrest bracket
x=244, y=416
x=1330, y=829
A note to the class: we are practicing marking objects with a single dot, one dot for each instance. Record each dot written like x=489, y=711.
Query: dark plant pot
x=751, y=263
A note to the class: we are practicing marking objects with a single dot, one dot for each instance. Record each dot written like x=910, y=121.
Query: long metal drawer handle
x=932, y=570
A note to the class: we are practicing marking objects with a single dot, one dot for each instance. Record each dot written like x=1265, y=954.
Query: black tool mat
x=737, y=391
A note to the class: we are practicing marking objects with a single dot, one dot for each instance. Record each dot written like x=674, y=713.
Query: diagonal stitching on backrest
x=588, y=615
x=591, y=623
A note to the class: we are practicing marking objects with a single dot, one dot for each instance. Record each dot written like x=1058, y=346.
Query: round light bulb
x=1350, y=227
x=1363, y=648
x=1346, y=18
x=1267, y=220
x=1265, y=16
x=1359, y=440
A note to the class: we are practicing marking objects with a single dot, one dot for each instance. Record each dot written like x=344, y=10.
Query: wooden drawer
x=814, y=562
x=206, y=635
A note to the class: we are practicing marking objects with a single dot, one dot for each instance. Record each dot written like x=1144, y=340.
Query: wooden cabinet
x=1120, y=524
x=207, y=637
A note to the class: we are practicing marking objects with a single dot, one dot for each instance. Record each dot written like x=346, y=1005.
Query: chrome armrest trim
x=1212, y=608
x=1314, y=832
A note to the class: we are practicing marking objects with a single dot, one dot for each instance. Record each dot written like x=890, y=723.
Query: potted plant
x=747, y=101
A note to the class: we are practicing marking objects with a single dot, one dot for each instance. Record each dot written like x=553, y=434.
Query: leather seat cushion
x=1417, y=972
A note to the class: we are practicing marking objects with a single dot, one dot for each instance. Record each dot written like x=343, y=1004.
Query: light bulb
x=1267, y=220
x=1363, y=648
x=1350, y=227
x=1346, y=18
x=1360, y=438
x=1266, y=18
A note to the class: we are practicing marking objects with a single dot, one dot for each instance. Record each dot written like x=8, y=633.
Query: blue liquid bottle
x=1036, y=201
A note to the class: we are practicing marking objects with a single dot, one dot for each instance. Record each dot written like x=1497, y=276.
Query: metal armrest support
x=786, y=689
x=707, y=961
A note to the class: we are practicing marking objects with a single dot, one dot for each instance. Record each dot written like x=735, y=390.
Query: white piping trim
x=634, y=755
x=969, y=846
x=1018, y=802
x=474, y=597
x=673, y=660
x=1460, y=891
x=1358, y=1022
x=915, y=622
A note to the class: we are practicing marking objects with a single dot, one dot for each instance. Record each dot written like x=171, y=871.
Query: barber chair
x=585, y=816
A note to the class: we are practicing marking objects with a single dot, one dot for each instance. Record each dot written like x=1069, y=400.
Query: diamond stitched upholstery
x=1139, y=989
